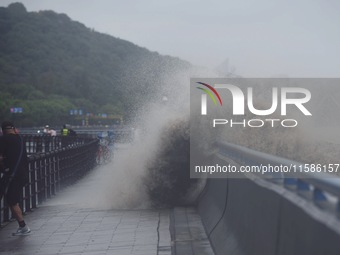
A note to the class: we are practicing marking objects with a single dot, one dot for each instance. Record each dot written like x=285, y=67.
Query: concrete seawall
x=254, y=216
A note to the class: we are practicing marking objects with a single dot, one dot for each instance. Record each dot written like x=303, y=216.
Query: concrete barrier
x=213, y=203
x=255, y=216
x=249, y=222
x=304, y=230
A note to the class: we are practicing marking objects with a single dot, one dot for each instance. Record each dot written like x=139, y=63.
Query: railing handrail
x=323, y=181
x=52, y=152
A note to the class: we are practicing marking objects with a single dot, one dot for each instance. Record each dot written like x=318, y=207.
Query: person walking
x=13, y=151
x=47, y=137
x=64, y=131
x=64, y=136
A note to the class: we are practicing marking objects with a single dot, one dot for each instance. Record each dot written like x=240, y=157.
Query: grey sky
x=299, y=38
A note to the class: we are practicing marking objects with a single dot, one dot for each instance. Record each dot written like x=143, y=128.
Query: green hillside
x=50, y=64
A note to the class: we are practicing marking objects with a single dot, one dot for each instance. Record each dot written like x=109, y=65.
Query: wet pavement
x=188, y=234
x=67, y=230
x=73, y=223
x=64, y=229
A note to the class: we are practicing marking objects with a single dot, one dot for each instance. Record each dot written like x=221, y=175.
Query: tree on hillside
x=44, y=55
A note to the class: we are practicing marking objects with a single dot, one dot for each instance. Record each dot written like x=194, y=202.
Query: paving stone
x=189, y=234
x=70, y=230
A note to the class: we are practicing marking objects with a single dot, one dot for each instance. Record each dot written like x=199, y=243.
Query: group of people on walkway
x=46, y=139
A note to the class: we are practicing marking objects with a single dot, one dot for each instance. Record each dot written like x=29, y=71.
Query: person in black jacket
x=13, y=151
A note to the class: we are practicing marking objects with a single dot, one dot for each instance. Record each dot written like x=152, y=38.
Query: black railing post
x=53, y=175
x=27, y=196
x=41, y=187
x=33, y=182
x=57, y=158
x=47, y=176
x=6, y=213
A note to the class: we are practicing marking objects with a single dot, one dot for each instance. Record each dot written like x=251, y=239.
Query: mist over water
x=154, y=169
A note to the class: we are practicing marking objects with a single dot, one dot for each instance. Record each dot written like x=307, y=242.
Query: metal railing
x=43, y=143
x=324, y=189
x=66, y=161
x=121, y=135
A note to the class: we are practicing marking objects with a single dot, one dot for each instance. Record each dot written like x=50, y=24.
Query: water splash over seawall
x=153, y=170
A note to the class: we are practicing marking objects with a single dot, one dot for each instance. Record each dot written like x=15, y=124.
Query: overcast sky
x=261, y=38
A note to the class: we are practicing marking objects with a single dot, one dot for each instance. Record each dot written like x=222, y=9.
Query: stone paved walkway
x=68, y=230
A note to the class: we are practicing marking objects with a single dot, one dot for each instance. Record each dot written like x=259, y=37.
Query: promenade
x=69, y=230
x=72, y=223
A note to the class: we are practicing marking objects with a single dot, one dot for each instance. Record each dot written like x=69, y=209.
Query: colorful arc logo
x=204, y=97
x=209, y=92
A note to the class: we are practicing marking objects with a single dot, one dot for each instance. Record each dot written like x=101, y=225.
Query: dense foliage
x=50, y=64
